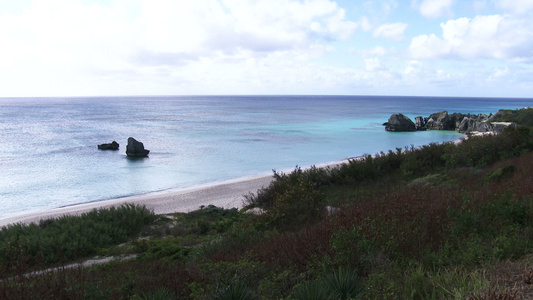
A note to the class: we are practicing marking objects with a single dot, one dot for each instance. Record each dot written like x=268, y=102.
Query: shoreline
x=226, y=194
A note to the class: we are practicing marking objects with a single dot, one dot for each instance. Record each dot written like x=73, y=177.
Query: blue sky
x=481, y=48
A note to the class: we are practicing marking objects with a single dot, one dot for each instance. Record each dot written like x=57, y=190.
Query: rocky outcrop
x=420, y=124
x=482, y=123
x=136, y=148
x=399, y=122
x=472, y=123
x=110, y=146
x=443, y=121
x=462, y=123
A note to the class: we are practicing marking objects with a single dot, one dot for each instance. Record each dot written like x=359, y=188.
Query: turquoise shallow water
x=49, y=156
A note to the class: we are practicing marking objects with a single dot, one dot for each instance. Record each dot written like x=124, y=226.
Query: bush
x=164, y=249
x=313, y=177
x=342, y=284
x=71, y=237
x=236, y=291
x=501, y=173
x=299, y=203
x=481, y=151
x=213, y=219
x=160, y=294
x=313, y=290
x=520, y=116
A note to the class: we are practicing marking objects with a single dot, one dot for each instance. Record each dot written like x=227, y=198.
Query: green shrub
x=351, y=248
x=481, y=151
x=501, y=174
x=344, y=284
x=341, y=284
x=227, y=279
x=160, y=294
x=298, y=204
x=165, y=249
x=313, y=177
x=236, y=291
x=71, y=237
x=414, y=282
x=313, y=290
x=519, y=116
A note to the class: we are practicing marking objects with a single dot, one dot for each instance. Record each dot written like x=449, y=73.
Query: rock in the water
x=443, y=121
x=462, y=123
x=110, y=146
x=399, y=122
x=136, y=148
x=419, y=123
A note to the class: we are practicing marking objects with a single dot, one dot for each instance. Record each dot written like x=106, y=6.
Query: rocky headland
x=463, y=123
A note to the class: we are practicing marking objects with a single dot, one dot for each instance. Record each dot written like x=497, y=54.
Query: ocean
x=49, y=156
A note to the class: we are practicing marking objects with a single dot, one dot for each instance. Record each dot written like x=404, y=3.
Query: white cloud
x=496, y=36
x=393, y=31
x=165, y=27
x=418, y=72
x=428, y=46
x=376, y=51
x=231, y=25
x=364, y=23
x=80, y=47
x=76, y=46
x=499, y=73
x=373, y=64
x=435, y=8
x=515, y=6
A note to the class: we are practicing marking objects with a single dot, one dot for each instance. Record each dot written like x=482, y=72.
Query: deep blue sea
x=49, y=156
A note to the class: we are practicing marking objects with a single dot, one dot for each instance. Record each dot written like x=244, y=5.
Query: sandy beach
x=227, y=194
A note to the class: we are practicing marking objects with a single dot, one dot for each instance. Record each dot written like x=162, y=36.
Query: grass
x=442, y=221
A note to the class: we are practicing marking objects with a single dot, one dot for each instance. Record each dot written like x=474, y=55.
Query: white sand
x=227, y=194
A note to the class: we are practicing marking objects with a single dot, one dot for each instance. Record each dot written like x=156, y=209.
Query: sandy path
x=226, y=194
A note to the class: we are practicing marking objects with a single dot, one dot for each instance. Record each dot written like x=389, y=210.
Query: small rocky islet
x=109, y=146
x=462, y=123
x=134, y=148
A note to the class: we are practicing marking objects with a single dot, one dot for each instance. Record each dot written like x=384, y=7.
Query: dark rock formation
x=399, y=122
x=474, y=123
x=462, y=123
x=136, y=148
x=481, y=123
x=500, y=126
x=443, y=121
x=465, y=124
x=111, y=146
x=420, y=124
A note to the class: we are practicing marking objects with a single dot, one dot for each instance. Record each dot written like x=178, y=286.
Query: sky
x=478, y=48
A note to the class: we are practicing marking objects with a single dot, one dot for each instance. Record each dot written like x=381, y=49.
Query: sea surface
x=49, y=156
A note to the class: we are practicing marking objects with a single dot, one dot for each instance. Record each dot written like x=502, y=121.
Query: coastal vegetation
x=441, y=221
